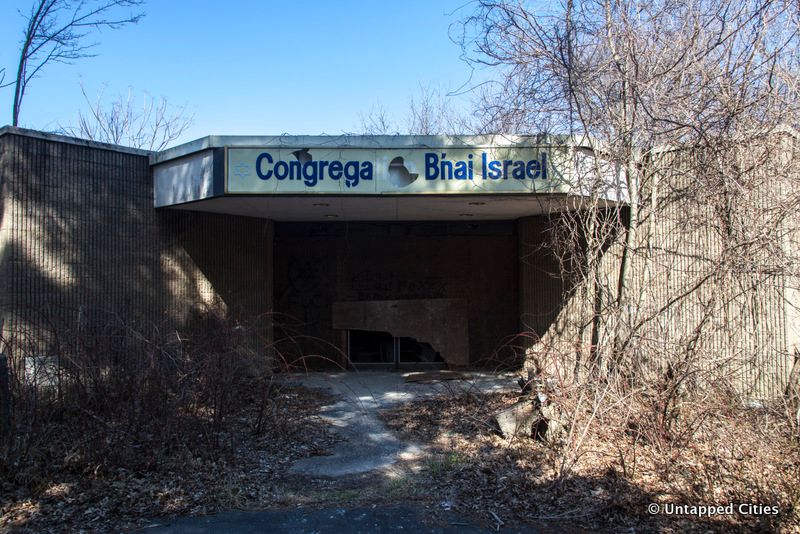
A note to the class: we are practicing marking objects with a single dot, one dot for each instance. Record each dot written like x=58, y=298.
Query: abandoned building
x=372, y=251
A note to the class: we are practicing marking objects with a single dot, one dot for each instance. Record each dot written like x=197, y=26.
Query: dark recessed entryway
x=451, y=285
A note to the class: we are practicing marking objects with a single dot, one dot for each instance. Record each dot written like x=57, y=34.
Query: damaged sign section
x=216, y=167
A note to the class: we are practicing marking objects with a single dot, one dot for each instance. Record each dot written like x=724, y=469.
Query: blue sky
x=255, y=67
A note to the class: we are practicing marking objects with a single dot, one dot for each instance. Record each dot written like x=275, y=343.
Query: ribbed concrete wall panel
x=691, y=291
x=79, y=234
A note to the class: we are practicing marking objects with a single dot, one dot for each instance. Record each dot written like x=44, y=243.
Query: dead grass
x=205, y=473
x=603, y=482
x=735, y=456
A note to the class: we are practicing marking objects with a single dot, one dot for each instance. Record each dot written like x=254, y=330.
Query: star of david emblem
x=242, y=170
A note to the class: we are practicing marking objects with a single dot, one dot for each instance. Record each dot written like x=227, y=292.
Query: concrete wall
x=541, y=288
x=319, y=264
x=79, y=234
x=709, y=281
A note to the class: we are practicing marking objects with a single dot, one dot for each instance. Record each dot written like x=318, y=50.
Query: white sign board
x=385, y=171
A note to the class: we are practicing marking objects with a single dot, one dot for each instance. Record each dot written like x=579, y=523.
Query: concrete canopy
x=377, y=178
x=429, y=208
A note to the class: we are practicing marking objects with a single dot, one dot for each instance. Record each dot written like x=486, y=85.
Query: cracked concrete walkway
x=367, y=444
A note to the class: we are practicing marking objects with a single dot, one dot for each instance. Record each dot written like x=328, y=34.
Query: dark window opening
x=412, y=351
x=371, y=347
x=382, y=349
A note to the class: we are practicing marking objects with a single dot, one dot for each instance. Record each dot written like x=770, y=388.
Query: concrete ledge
x=58, y=138
x=364, y=142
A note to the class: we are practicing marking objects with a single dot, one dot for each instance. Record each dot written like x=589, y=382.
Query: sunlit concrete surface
x=367, y=444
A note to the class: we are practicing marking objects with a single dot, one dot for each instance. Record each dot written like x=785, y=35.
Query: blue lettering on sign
x=438, y=167
x=312, y=172
x=261, y=157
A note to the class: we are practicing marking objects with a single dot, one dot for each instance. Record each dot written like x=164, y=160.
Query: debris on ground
x=535, y=415
x=608, y=465
x=238, y=469
x=428, y=377
x=602, y=474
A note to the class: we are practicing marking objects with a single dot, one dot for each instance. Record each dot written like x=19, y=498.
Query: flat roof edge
x=360, y=142
x=59, y=138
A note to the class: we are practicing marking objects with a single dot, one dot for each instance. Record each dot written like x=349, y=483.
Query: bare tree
x=147, y=123
x=654, y=93
x=378, y=122
x=430, y=112
x=56, y=31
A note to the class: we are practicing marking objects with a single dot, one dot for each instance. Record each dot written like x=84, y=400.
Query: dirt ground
x=611, y=481
x=468, y=469
x=237, y=469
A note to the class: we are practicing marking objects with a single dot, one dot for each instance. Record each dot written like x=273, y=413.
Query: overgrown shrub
x=111, y=392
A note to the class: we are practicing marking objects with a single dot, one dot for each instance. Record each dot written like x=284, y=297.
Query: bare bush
x=149, y=124
x=378, y=122
x=109, y=392
x=431, y=111
x=117, y=420
x=613, y=463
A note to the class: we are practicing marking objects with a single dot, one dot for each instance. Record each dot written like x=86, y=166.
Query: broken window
x=381, y=348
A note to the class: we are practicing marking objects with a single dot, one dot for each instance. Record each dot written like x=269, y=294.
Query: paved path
x=367, y=444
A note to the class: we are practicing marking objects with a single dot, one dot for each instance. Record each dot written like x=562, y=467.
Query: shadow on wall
x=80, y=233
x=554, y=291
x=232, y=255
